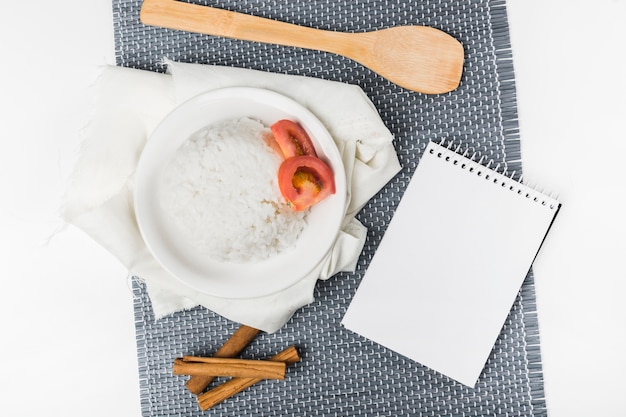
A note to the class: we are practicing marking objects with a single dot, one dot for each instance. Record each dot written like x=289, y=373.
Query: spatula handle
x=211, y=21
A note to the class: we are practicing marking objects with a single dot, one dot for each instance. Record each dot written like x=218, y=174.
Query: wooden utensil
x=418, y=58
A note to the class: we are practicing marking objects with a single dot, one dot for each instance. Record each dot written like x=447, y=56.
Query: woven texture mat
x=343, y=374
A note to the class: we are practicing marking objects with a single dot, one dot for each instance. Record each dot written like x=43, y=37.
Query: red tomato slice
x=292, y=139
x=304, y=181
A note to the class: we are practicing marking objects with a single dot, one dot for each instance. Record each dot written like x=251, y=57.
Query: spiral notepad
x=449, y=267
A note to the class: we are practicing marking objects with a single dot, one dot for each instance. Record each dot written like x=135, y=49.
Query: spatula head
x=418, y=58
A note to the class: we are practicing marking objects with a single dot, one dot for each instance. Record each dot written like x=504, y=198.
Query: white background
x=68, y=343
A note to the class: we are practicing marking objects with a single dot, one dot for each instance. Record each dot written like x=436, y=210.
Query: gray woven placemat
x=343, y=374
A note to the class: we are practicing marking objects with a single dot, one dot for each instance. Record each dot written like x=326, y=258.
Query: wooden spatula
x=418, y=58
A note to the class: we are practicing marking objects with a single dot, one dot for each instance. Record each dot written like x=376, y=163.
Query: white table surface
x=68, y=340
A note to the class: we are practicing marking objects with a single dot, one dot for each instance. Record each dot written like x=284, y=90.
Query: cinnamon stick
x=236, y=385
x=241, y=368
x=230, y=349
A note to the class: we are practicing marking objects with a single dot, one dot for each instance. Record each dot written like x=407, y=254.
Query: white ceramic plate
x=173, y=250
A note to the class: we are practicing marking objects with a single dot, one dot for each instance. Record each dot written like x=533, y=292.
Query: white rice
x=222, y=191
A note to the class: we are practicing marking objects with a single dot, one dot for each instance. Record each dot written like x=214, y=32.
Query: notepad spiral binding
x=498, y=176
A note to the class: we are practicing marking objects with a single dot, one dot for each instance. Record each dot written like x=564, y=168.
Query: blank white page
x=450, y=265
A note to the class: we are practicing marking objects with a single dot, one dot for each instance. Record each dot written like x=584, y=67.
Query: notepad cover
x=450, y=264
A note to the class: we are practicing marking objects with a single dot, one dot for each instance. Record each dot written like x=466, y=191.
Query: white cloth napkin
x=130, y=103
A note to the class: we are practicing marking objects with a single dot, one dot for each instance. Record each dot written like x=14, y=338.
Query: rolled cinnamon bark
x=240, y=368
x=230, y=349
x=236, y=385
